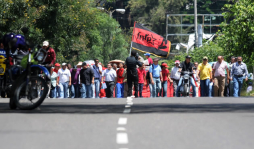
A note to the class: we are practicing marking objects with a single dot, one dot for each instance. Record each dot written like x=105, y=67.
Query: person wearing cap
x=51, y=55
x=156, y=77
x=205, y=73
x=54, y=93
x=109, y=76
x=239, y=73
x=86, y=81
x=97, y=77
x=219, y=69
x=132, y=73
x=75, y=71
x=165, y=78
x=150, y=60
x=187, y=66
x=64, y=80
x=175, y=76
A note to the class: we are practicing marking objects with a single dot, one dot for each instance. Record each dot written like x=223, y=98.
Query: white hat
x=45, y=43
x=79, y=64
x=63, y=64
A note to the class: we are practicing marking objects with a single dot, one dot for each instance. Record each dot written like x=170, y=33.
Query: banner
x=147, y=41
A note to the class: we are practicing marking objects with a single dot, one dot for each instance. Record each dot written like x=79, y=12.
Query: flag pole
x=132, y=36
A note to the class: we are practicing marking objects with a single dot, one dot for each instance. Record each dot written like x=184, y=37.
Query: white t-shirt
x=109, y=75
x=175, y=74
x=64, y=75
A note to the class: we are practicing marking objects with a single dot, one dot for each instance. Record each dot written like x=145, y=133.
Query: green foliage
x=211, y=50
x=76, y=29
x=237, y=36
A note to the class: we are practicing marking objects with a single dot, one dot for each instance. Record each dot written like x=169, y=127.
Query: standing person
x=205, y=72
x=69, y=66
x=156, y=77
x=141, y=79
x=55, y=92
x=75, y=80
x=238, y=73
x=150, y=60
x=187, y=66
x=97, y=77
x=175, y=75
x=115, y=66
x=110, y=76
x=132, y=73
x=165, y=78
x=196, y=78
x=119, y=82
x=51, y=56
x=219, y=77
x=64, y=80
x=86, y=81
x=231, y=83
x=227, y=80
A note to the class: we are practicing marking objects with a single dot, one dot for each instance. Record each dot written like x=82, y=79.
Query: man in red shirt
x=119, y=82
x=51, y=55
x=150, y=60
x=141, y=79
x=165, y=77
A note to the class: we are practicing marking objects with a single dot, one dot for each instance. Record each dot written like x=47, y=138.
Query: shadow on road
x=192, y=108
x=136, y=108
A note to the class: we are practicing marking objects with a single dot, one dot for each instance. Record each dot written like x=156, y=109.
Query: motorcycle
x=24, y=85
x=185, y=85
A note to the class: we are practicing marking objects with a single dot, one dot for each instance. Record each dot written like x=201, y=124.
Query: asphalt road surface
x=158, y=123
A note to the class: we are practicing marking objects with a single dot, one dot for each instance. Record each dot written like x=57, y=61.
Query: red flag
x=147, y=41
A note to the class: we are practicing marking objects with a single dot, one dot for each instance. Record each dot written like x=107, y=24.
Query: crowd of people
x=86, y=81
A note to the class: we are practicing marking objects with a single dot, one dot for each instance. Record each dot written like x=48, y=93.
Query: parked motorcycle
x=185, y=87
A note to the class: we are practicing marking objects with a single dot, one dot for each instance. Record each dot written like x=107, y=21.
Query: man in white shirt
x=109, y=75
x=175, y=75
x=64, y=80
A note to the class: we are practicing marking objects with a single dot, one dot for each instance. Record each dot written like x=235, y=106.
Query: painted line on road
x=122, y=121
x=121, y=129
x=127, y=111
x=122, y=138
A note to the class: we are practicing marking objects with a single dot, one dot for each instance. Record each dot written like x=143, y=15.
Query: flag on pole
x=145, y=40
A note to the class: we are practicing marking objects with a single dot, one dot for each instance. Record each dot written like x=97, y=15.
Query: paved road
x=178, y=123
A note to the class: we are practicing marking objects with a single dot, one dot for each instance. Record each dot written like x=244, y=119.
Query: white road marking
x=127, y=111
x=121, y=129
x=129, y=103
x=127, y=106
x=122, y=121
x=122, y=138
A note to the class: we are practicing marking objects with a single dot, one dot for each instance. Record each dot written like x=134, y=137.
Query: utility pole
x=196, y=22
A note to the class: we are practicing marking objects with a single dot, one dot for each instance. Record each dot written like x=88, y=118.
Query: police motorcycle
x=25, y=85
x=185, y=87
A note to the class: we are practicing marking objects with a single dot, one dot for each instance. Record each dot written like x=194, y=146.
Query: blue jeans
x=211, y=90
x=86, y=91
x=75, y=90
x=238, y=83
x=151, y=90
x=53, y=92
x=192, y=83
x=63, y=87
x=156, y=87
x=165, y=88
x=140, y=89
x=204, y=85
x=97, y=84
x=119, y=90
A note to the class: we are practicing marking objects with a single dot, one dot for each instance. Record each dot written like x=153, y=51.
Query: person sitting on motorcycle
x=51, y=56
x=187, y=66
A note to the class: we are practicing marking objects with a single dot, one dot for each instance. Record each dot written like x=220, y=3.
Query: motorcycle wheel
x=37, y=92
x=185, y=90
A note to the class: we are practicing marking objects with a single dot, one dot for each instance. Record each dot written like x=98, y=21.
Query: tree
x=237, y=36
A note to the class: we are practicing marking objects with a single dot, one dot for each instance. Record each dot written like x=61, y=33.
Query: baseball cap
x=57, y=64
x=155, y=59
x=84, y=64
x=177, y=62
x=205, y=57
x=164, y=65
x=147, y=54
x=64, y=64
x=45, y=43
x=188, y=56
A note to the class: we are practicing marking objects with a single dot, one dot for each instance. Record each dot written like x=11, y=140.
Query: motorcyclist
x=187, y=66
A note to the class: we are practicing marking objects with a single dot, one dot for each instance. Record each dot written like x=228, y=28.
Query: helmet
x=7, y=38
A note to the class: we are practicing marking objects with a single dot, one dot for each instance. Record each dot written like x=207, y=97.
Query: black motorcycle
x=185, y=87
